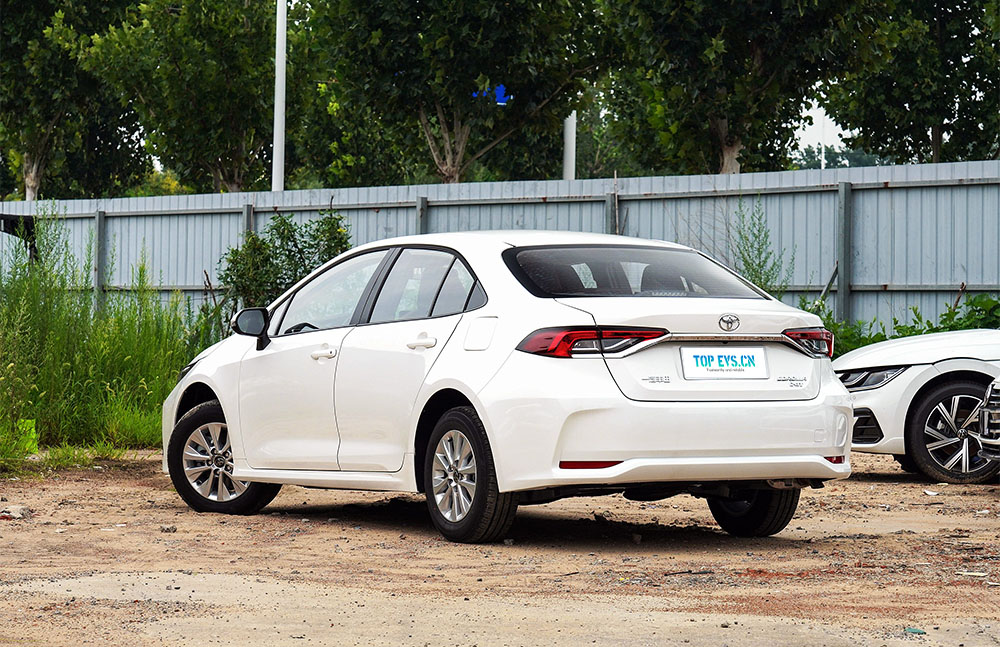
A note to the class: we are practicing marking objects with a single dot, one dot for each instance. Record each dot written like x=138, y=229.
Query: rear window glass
x=623, y=271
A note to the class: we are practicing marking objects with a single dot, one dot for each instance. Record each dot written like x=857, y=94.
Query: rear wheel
x=460, y=481
x=200, y=462
x=940, y=438
x=755, y=513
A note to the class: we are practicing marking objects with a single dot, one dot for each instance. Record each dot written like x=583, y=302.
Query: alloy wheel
x=949, y=434
x=453, y=475
x=208, y=464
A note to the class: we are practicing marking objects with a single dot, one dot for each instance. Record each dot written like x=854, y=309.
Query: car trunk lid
x=716, y=350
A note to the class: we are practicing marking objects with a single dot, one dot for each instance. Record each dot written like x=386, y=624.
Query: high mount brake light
x=567, y=342
x=815, y=340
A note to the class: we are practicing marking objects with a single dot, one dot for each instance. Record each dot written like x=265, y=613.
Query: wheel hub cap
x=208, y=463
x=453, y=475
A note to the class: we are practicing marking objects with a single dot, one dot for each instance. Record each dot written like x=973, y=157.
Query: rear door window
x=410, y=289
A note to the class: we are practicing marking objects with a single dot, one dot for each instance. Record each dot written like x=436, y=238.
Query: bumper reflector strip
x=586, y=465
x=836, y=460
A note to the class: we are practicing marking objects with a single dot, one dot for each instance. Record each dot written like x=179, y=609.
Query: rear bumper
x=584, y=417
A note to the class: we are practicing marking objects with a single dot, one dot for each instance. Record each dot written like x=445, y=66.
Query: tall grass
x=82, y=369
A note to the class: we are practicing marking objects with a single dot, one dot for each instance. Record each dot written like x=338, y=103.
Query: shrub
x=978, y=311
x=754, y=258
x=267, y=264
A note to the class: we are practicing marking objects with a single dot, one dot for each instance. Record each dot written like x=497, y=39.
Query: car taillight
x=567, y=342
x=815, y=340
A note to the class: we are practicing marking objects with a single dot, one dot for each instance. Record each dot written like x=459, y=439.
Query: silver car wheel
x=947, y=434
x=208, y=463
x=453, y=476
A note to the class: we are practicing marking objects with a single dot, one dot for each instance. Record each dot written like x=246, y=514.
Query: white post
x=569, y=147
x=278, y=150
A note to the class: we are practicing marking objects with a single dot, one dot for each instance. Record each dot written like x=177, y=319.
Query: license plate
x=715, y=363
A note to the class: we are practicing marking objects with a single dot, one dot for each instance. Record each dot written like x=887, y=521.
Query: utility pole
x=278, y=149
x=569, y=147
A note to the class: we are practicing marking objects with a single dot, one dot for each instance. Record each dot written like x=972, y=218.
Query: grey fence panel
x=916, y=232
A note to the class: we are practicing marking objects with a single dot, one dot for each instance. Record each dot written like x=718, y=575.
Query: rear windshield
x=623, y=271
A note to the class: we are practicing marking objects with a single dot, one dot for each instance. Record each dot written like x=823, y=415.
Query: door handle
x=324, y=353
x=422, y=342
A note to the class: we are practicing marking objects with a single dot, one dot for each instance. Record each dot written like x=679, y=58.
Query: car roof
x=520, y=238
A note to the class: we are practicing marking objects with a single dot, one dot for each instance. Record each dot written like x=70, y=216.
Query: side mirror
x=252, y=322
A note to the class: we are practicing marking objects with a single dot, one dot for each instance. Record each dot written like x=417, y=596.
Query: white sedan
x=494, y=369
x=918, y=398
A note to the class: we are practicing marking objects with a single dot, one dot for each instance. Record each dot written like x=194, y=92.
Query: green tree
x=199, y=74
x=8, y=183
x=49, y=107
x=720, y=86
x=436, y=67
x=937, y=97
x=331, y=144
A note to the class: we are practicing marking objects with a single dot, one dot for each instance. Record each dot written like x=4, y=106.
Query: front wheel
x=755, y=513
x=906, y=463
x=200, y=462
x=460, y=481
x=941, y=436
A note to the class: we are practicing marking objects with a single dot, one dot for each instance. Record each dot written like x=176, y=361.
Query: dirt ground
x=111, y=556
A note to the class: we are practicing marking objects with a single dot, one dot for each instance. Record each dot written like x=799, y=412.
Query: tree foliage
x=56, y=120
x=199, y=74
x=936, y=98
x=331, y=144
x=720, y=86
x=439, y=67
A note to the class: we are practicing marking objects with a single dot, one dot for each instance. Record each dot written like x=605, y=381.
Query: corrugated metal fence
x=902, y=235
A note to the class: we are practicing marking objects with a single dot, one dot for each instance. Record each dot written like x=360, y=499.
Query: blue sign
x=500, y=92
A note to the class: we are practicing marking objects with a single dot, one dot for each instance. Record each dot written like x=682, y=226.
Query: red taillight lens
x=816, y=340
x=567, y=342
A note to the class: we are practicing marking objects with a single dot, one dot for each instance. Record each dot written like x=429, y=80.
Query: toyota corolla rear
x=669, y=368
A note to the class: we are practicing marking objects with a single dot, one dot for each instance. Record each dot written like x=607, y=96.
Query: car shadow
x=538, y=526
x=898, y=476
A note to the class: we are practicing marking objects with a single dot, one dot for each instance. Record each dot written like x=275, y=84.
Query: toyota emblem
x=729, y=322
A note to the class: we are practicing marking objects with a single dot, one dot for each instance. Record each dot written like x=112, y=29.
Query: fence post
x=423, y=226
x=611, y=213
x=845, y=249
x=247, y=218
x=100, y=257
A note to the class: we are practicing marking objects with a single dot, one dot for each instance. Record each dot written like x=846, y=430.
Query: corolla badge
x=729, y=322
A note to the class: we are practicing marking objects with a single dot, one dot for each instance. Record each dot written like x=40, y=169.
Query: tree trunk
x=937, y=132
x=447, y=143
x=32, y=173
x=729, y=156
x=729, y=147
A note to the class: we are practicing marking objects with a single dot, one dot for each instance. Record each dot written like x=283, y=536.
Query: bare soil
x=111, y=556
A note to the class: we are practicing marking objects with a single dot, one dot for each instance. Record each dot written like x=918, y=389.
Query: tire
x=755, y=513
x=906, y=463
x=944, y=451
x=202, y=431
x=459, y=455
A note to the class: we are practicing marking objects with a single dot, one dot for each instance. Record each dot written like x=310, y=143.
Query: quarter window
x=329, y=300
x=454, y=291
